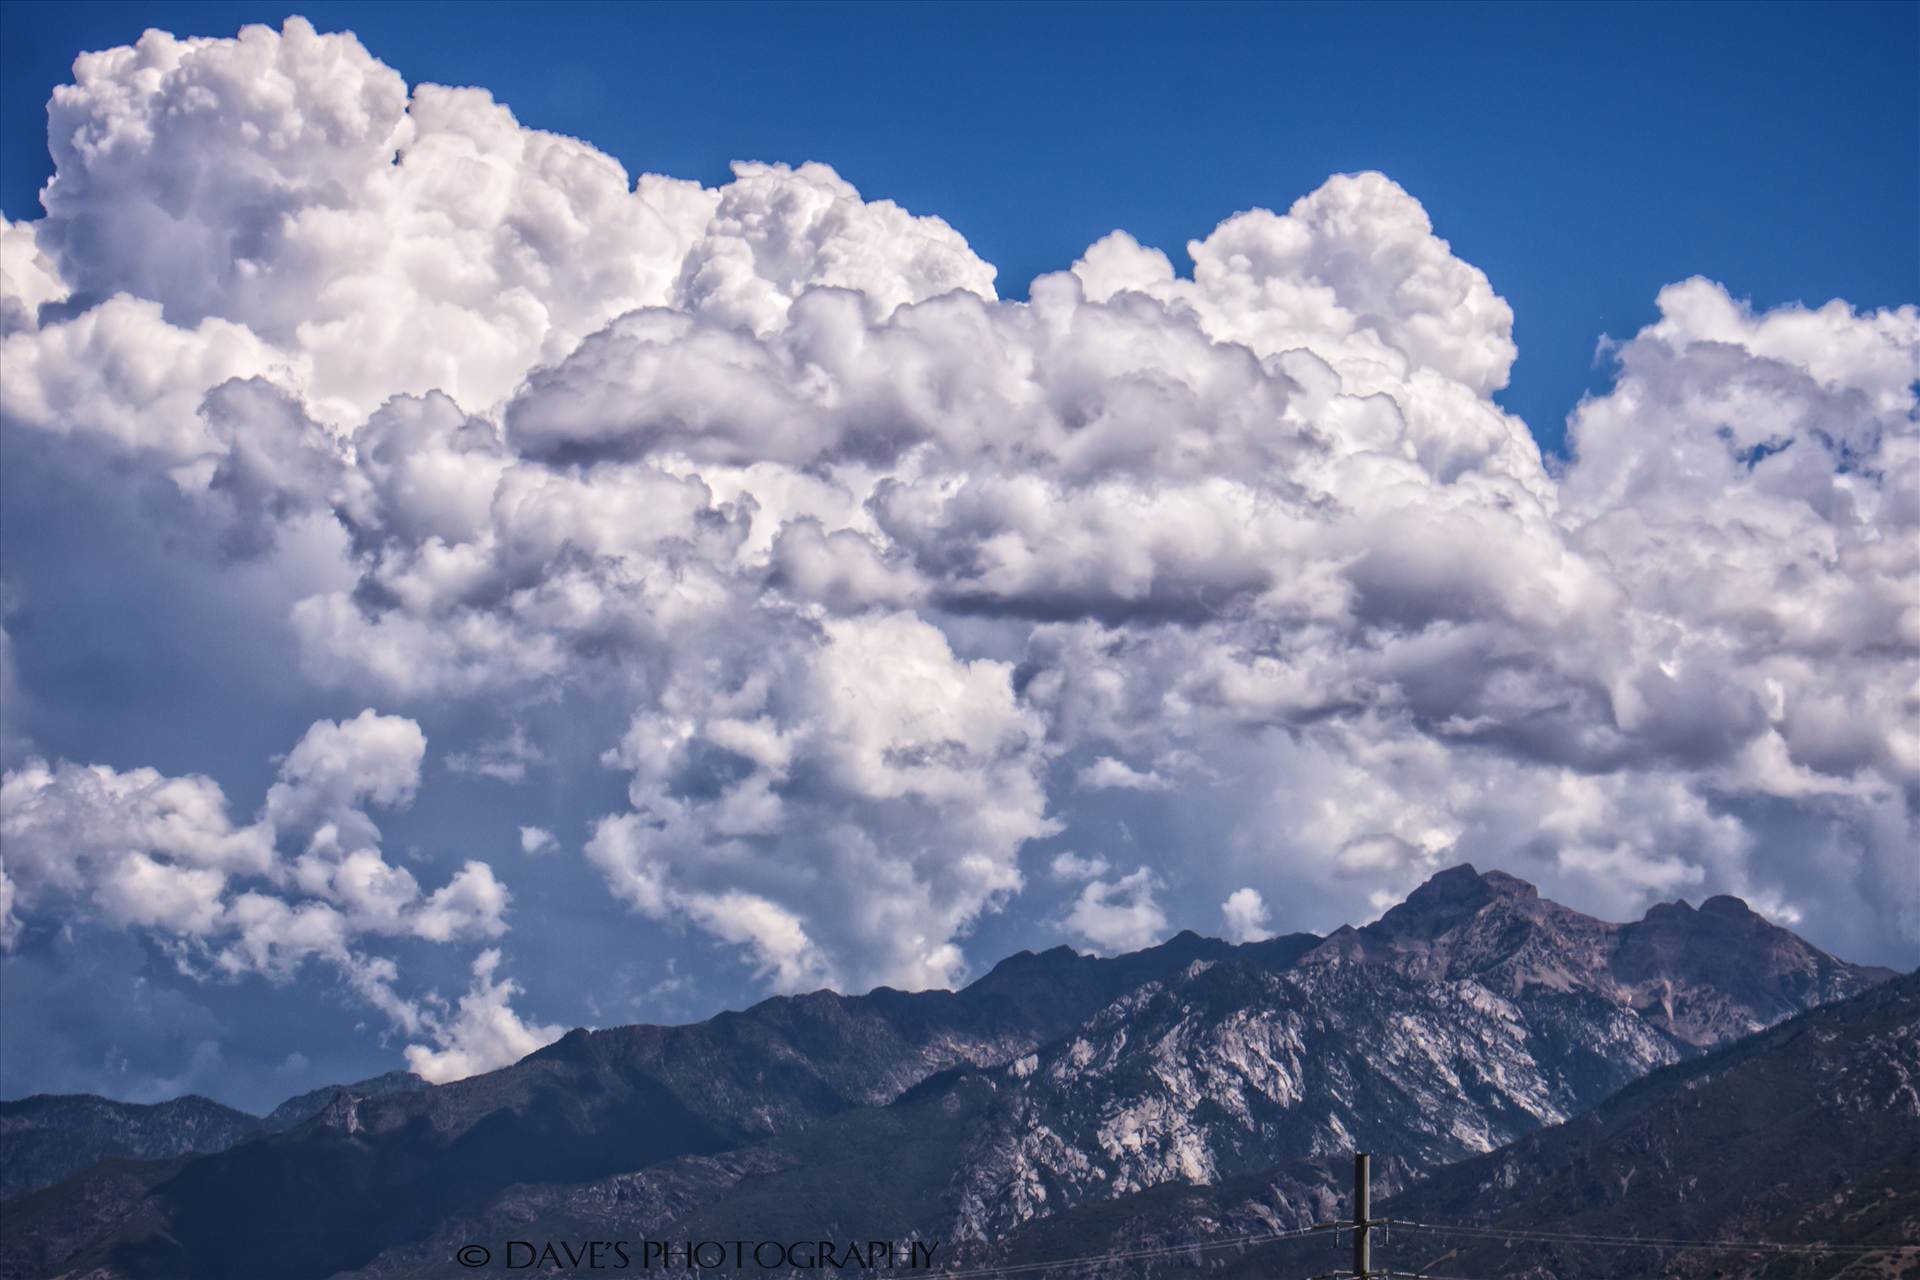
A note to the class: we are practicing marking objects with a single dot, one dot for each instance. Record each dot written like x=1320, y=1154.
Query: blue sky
x=830, y=623
x=1581, y=155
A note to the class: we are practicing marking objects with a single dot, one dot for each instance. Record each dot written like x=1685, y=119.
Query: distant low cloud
x=1118, y=915
x=1245, y=915
x=504, y=759
x=304, y=882
x=481, y=1033
x=1106, y=773
x=1072, y=867
x=886, y=579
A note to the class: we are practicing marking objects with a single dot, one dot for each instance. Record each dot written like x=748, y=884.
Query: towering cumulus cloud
x=1240, y=585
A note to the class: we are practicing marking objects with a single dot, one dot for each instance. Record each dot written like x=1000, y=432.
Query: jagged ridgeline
x=49, y=1137
x=1059, y=1098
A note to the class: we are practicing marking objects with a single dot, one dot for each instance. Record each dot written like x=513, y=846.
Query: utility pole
x=1362, y=1216
x=1363, y=1224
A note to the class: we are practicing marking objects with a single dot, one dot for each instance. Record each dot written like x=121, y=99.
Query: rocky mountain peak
x=1707, y=974
x=1728, y=907
x=1456, y=883
x=1450, y=898
x=1701, y=974
x=1722, y=906
x=1509, y=887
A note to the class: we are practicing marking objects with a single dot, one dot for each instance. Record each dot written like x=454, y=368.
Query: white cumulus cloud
x=1118, y=915
x=481, y=1032
x=885, y=576
x=304, y=881
x=1246, y=917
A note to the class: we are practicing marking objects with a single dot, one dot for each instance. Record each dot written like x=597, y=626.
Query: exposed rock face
x=296, y=1111
x=1467, y=1016
x=1723, y=971
x=1225, y=1070
x=1809, y=1131
x=1471, y=1014
x=1703, y=976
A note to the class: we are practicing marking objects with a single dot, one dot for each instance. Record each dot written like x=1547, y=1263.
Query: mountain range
x=1057, y=1093
x=1805, y=1132
x=48, y=1137
x=1809, y=1131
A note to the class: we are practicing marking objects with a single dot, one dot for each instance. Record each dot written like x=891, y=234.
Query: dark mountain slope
x=48, y=1232
x=1472, y=1014
x=367, y=1172
x=876, y=1173
x=1809, y=1131
x=49, y=1137
x=52, y=1136
x=1399, y=1042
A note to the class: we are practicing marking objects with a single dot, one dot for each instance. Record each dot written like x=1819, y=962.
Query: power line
x=1648, y=1242
x=1129, y=1255
x=1393, y=1275
x=1363, y=1224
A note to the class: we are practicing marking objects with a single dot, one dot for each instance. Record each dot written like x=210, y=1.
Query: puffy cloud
x=161, y=855
x=777, y=231
x=9, y=922
x=537, y=840
x=782, y=951
x=64, y=823
x=1071, y=866
x=120, y=371
x=901, y=778
x=305, y=194
x=472, y=903
x=1352, y=272
x=1118, y=915
x=1107, y=773
x=28, y=278
x=886, y=577
x=1245, y=915
x=336, y=768
x=136, y=890
x=482, y=1033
